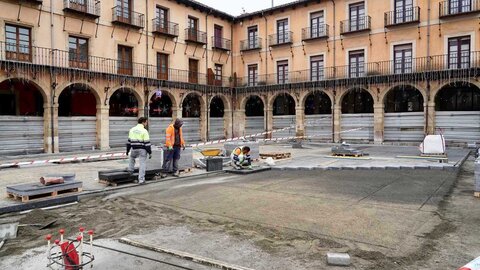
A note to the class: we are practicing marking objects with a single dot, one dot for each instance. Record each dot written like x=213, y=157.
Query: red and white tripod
x=70, y=254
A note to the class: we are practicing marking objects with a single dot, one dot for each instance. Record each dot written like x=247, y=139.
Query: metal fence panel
x=284, y=121
x=191, y=130
x=319, y=126
x=77, y=133
x=459, y=127
x=157, y=129
x=404, y=127
x=254, y=125
x=119, y=128
x=216, y=128
x=355, y=121
x=21, y=135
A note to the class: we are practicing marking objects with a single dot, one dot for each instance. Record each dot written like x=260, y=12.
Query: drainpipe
x=266, y=68
x=52, y=76
x=146, y=111
x=231, y=72
x=429, y=62
x=334, y=69
x=206, y=70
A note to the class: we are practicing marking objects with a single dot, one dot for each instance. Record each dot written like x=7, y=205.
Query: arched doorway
x=318, y=116
x=123, y=115
x=254, y=116
x=216, y=125
x=191, y=112
x=457, y=113
x=404, y=118
x=21, y=118
x=357, y=115
x=161, y=112
x=284, y=116
x=77, y=121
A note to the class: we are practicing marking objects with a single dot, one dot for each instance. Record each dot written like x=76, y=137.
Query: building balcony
x=251, y=44
x=278, y=39
x=361, y=24
x=402, y=17
x=195, y=36
x=451, y=8
x=221, y=44
x=89, y=8
x=38, y=2
x=315, y=32
x=127, y=17
x=165, y=28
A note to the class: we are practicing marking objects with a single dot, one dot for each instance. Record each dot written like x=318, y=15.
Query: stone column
x=430, y=108
x=300, y=120
x=47, y=128
x=337, y=123
x=269, y=121
x=378, y=123
x=228, y=123
x=103, y=127
x=203, y=125
x=240, y=122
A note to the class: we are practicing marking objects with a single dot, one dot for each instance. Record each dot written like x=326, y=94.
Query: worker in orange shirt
x=173, y=144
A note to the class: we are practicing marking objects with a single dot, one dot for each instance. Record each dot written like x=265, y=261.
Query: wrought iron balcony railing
x=251, y=44
x=35, y=1
x=448, y=8
x=195, y=36
x=315, y=32
x=30, y=56
x=127, y=17
x=163, y=27
x=85, y=7
x=221, y=43
x=280, y=38
x=356, y=25
x=402, y=16
x=16, y=54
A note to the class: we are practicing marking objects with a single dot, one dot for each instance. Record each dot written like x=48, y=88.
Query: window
x=403, y=58
x=282, y=72
x=459, y=52
x=18, y=43
x=317, y=25
x=356, y=63
x=78, y=52
x=253, y=75
x=459, y=6
x=253, y=37
x=218, y=36
x=162, y=19
x=218, y=74
x=357, y=16
x=282, y=31
x=125, y=65
x=192, y=28
x=316, y=68
x=124, y=10
x=162, y=66
x=403, y=11
x=192, y=71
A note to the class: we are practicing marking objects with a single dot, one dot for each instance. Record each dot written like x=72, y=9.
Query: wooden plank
x=476, y=194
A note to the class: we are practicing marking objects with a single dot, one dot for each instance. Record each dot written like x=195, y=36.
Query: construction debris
x=338, y=259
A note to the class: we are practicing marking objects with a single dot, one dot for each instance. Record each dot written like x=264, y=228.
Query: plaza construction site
x=302, y=204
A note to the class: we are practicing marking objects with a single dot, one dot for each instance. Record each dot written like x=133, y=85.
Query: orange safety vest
x=171, y=136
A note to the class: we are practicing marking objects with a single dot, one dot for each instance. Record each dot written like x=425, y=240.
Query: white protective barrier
x=157, y=129
x=319, y=127
x=354, y=122
x=119, y=128
x=77, y=133
x=191, y=130
x=216, y=128
x=459, y=127
x=21, y=135
x=254, y=125
x=404, y=127
x=284, y=121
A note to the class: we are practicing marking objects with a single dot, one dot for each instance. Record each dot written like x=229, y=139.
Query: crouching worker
x=241, y=158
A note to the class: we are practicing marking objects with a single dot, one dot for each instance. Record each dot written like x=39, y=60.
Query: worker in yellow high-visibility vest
x=139, y=146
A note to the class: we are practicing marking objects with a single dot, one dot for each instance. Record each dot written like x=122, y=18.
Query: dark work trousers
x=171, y=156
